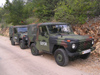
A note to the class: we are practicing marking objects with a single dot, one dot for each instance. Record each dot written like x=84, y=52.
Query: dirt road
x=15, y=61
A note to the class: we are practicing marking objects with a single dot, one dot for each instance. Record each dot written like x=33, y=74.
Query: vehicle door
x=43, y=39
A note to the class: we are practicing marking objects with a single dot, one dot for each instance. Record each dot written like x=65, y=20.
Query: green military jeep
x=60, y=40
x=18, y=34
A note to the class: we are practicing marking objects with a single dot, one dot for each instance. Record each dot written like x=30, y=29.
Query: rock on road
x=15, y=61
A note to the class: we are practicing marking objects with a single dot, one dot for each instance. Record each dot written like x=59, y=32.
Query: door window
x=42, y=30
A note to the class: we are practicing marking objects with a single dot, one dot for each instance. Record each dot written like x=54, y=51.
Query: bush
x=44, y=9
x=15, y=13
x=74, y=11
x=31, y=20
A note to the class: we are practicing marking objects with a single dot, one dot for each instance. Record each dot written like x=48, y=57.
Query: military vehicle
x=60, y=40
x=18, y=34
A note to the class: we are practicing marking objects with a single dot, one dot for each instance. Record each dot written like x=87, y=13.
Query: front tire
x=22, y=44
x=85, y=56
x=34, y=50
x=61, y=57
x=12, y=41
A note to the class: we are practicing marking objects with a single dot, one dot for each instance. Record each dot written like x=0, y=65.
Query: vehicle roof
x=50, y=23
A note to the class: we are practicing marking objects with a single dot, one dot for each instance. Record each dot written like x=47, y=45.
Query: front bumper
x=78, y=53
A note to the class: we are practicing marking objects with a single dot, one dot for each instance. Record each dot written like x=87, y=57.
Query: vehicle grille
x=85, y=45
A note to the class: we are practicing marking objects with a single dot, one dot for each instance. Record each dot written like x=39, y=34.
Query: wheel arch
x=57, y=47
x=10, y=38
x=31, y=43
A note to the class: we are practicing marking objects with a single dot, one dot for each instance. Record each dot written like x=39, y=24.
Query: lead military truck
x=60, y=40
x=18, y=34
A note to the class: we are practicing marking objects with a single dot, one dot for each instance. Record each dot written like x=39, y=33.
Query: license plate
x=86, y=51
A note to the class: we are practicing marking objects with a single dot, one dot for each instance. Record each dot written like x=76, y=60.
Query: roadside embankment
x=4, y=32
x=91, y=28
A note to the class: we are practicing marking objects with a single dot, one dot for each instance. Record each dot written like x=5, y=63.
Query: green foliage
x=74, y=11
x=3, y=25
x=2, y=18
x=15, y=9
x=97, y=8
x=70, y=11
x=28, y=10
x=44, y=9
x=31, y=20
x=2, y=11
x=0, y=14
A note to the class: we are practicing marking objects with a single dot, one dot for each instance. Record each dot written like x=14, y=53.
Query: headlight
x=92, y=42
x=73, y=46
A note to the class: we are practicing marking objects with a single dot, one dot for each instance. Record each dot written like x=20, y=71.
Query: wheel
x=34, y=51
x=22, y=44
x=61, y=57
x=12, y=41
x=85, y=56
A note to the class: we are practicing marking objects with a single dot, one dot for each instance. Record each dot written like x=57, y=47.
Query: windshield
x=59, y=29
x=22, y=29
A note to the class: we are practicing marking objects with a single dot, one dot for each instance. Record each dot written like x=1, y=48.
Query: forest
x=20, y=12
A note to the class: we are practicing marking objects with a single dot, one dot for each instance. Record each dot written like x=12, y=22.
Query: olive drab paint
x=48, y=42
x=17, y=36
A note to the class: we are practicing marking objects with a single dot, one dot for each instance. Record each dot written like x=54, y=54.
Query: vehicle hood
x=73, y=37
